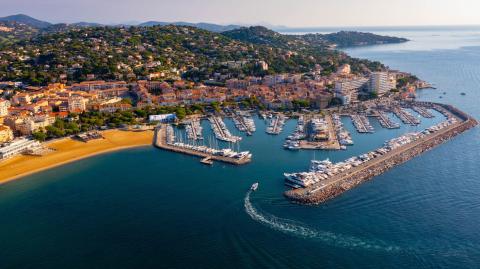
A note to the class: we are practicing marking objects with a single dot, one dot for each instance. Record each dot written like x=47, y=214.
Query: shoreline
x=81, y=151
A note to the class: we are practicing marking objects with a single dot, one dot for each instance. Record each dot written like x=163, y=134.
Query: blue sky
x=294, y=13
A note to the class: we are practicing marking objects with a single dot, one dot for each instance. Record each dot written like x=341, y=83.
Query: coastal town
x=166, y=106
x=29, y=112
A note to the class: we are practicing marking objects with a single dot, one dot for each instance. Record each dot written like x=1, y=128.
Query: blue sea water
x=147, y=208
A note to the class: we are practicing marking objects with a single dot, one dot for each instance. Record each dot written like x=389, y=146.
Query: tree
x=40, y=136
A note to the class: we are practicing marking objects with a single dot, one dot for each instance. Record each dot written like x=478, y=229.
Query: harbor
x=386, y=121
x=244, y=123
x=194, y=129
x=405, y=116
x=362, y=124
x=276, y=124
x=221, y=131
x=326, y=180
x=164, y=139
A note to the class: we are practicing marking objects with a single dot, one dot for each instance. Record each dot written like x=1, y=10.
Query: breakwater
x=335, y=186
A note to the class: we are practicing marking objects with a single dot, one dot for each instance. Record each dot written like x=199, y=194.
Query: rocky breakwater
x=323, y=191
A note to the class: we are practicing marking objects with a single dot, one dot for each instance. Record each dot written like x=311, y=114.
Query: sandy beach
x=68, y=150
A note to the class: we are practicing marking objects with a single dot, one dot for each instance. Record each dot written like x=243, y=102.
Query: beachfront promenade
x=338, y=184
x=160, y=141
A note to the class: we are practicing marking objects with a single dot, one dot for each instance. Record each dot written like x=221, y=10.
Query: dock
x=336, y=185
x=385, y=121
x=405, y=116
x=162, y=141
x=361, y=123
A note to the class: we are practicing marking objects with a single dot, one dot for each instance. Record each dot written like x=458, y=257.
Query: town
x=31, y=113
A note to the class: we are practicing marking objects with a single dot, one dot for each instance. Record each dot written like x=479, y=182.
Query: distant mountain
x=263, y=36
x=354, y=38
x=21, y=18
x=86, y=24
x=205, y=26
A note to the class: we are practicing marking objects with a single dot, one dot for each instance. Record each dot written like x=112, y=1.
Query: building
x=27, y=125
x=17, y=146
x=344, y=69
x=347, y=89
x=4, y=105
x=379, y=83
x=77, y=104
x=163, y=118
x=6, y=134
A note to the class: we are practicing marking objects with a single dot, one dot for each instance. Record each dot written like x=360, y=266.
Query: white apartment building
x=379, y=83
x=17, y=146
x=347, y=89
x=77, y=104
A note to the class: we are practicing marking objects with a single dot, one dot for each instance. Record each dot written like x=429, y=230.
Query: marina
x=405, y=116
x=194, y=129
x=244, y=123
x=361, y=123
x=221, y=131
x=164, y=139
x=423, y=112
x=276, y=124
x=386, y=121
x=326, y=180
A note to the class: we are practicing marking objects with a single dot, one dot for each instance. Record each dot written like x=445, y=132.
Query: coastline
x=69, y=151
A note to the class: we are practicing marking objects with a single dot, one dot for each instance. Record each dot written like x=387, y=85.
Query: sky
x=292, y=13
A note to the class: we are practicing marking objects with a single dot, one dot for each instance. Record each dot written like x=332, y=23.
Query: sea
x=148, y=208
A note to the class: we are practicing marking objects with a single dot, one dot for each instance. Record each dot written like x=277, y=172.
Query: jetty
x=276, y=125
x=221, y=131
x=194, y=129
x=163, y=139
x=341, y=182
x=385, y=121
x=361, y=123
x=406, y=116
x=423, y=112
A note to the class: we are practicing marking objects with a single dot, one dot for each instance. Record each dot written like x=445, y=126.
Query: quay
x=163, y=141
x=336, y=185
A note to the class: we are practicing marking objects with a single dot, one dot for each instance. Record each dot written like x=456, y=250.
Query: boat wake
x=301, y=230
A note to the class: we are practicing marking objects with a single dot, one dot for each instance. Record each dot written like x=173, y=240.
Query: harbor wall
x=317, y=195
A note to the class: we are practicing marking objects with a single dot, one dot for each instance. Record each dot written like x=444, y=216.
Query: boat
x=254, y=186
x=463, y=93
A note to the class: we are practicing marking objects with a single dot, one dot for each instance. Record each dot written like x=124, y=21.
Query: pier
x=221, y=131
x=361, y=123
x=423, y=112
x=385, y=121
x=336, y=185
x=406, y=116
x=276, y=125
x=194, y=129
x=163, y=139
x=244, y=123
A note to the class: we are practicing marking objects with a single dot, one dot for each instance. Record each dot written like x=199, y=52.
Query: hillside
x=205, y=26
x=264, y=36
x=131, y=53
x=24, y=19
x=351, y=38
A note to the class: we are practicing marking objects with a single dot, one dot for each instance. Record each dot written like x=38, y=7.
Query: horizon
x=264, y=24
x=303, y=14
